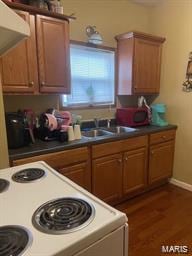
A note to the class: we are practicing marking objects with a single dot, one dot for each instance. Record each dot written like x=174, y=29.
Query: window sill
x=87, y=107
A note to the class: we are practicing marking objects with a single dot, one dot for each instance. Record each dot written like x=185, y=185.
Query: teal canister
x=158, y=114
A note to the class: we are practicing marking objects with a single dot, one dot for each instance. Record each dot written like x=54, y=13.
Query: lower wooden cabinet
x=73, y=163
x=79, y=173
x=116, y=170
x=161, y=161
x=134, y=170
x=115, y=176
x=107, y=177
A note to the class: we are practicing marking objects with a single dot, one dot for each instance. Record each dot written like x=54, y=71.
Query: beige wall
x=111, y=17
x=172, y=19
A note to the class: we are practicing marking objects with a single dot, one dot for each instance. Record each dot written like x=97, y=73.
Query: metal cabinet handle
x=31, y=83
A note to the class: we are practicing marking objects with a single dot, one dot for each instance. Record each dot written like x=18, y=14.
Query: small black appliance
x=17, y=131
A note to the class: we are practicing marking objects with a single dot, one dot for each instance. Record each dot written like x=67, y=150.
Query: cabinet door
x=134, y=170
x=125, y=55
x=53, y=54
x=107, y=177
x=147, y=61
x=161, y=161
x=19, y=65
x=79, y=173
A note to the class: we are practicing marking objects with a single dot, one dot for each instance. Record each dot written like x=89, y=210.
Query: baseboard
x=181, y=184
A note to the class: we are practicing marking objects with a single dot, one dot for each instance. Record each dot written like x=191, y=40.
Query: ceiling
x=147, y=2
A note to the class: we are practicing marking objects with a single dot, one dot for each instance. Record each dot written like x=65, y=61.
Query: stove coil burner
x=28, y=175
x=3, y=185
x=13, y=240
x=63, y=215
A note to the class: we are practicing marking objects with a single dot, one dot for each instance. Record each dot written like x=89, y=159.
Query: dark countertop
x=43, y=147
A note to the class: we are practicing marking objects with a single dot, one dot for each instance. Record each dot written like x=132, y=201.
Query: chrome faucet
x=96, y=121
x=108, y=123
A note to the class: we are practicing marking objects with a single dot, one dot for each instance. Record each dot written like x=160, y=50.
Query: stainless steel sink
x=103, y=132
x=119, y=129
x=96, y=133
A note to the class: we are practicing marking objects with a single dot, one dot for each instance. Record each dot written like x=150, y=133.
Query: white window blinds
x=92, y=76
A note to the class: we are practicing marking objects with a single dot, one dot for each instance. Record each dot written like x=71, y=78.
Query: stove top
x=63, y=215
x=51, y=198
x=3, y=185
x=28, y=175
x=13, y=240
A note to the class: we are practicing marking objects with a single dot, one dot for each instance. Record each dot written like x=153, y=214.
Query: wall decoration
x=187, y=85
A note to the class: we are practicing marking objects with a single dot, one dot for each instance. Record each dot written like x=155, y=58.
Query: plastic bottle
x=77, y=132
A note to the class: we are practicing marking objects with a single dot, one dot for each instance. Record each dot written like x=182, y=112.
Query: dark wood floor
x=159, y=217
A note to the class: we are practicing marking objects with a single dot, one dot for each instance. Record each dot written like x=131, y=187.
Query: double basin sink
x=105, y=131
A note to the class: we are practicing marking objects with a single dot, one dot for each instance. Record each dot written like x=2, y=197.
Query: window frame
x=88, y=106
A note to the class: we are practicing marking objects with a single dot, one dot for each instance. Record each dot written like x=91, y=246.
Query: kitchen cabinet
x=119, y=168
x=79, y=173
x=134, y=170
x=134, y=164
x=53, y=54
x=138, y=63
x=116, y=170
x=19, y=66
x=40, y=64
x=161, y=155
x=107, y=177
x=73, y=163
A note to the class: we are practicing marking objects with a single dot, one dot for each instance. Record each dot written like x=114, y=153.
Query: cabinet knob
x=31, y=83
x=152, y=152
x=119, y=160
x=42, y=83
x=126, y=158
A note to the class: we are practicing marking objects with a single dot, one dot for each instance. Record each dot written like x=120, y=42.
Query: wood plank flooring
x=159, y=217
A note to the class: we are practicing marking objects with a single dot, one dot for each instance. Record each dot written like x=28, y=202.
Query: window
x=92, y=77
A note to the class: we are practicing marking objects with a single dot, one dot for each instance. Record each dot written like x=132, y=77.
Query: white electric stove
x=43, y=213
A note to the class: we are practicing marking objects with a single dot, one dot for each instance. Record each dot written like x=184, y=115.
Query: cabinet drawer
x=105, y=149
x=133, y=143
x=162, y=136
x=58, y=160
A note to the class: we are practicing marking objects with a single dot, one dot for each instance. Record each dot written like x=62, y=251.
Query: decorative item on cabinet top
x=94, y=37
x=23, y=5
x=187, y=85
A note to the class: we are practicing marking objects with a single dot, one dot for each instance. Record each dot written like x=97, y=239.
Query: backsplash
x=39, y=104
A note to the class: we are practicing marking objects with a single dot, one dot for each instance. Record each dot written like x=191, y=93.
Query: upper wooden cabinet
x=53, y=54
x=19, y=66
x=41, y=63
x=138, y=63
